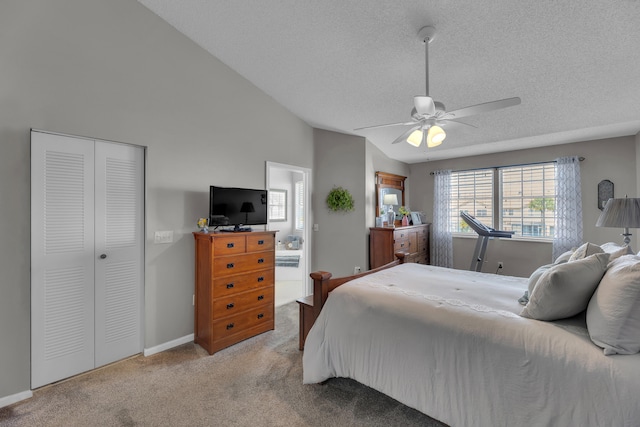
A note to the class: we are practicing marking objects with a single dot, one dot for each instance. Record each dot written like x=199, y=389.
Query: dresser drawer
x=229, y=245
x=400, y=234
x=238, y=323
x=228, y=285
x=241, y=263
x=232, y=304
x=401, y=245
x=422, y=243
x=260, y=243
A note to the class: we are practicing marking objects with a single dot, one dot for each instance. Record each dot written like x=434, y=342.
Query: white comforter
x=451, y=344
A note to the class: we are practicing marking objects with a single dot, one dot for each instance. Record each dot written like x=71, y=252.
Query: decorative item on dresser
x=384, y=242
x=234, y=289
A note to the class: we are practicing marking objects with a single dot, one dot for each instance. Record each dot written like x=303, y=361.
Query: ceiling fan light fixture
x=435, y=136
x=415, y=138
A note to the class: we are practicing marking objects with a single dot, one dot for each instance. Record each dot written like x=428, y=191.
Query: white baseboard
x=14, y=398
x=167, y=345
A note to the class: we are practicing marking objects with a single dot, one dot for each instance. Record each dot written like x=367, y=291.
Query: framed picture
x=415, y=217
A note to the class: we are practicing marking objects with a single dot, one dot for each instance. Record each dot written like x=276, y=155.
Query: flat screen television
x=237, y=207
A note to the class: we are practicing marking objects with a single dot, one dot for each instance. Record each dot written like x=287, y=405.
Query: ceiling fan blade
x=482, y=108
x=387, y=125
x=405, y=135
x=448, y=122
x=424, y=105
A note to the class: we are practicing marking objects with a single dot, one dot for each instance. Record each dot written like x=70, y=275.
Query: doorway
x=87, y=254
x=290, y=216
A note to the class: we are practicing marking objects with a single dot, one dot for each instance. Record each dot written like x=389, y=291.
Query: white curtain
x=441, y=236
x=568, y=213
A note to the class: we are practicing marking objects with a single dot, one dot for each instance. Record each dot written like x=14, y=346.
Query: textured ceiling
x=345, y=64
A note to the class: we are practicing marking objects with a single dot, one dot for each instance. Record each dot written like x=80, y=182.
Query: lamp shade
x=435, y=136
x=621, y=213
x=415, y=138
x=390, y=199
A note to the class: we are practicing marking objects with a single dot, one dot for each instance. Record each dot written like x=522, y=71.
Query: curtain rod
x=506, y=166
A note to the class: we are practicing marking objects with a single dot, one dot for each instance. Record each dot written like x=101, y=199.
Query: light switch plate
x=163, y=237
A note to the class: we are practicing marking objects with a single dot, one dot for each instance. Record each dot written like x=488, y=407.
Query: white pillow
x=625, y=250
x=610, y=247
x=535, y=276
x=585, y=250
x=616, y=250
x=564, y=257
x=613, y=314
x=565, y=289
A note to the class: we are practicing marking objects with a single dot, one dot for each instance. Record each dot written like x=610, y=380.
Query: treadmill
x=484, y=234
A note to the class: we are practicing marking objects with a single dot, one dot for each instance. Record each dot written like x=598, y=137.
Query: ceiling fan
x=428, y=116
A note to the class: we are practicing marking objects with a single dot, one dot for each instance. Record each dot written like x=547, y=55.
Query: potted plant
x=404, y=212
x=339, y=199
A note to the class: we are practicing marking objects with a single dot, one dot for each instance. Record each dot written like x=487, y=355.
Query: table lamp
x=621, y=213
x=390, y=200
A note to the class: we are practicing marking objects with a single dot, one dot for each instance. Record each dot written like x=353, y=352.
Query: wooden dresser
x=384, y=242
x=234, y=289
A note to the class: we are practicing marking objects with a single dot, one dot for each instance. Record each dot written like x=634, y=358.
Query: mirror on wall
x=390, y=185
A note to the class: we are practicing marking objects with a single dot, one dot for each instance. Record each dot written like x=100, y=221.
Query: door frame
x=306, y=234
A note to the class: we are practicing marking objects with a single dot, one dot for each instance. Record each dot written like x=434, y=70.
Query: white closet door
x=87, y=259
x=62, y=257
x=119, y=251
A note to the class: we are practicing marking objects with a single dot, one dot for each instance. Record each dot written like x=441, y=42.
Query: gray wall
x=113, y=70
x=340, y=242
x=613, y=159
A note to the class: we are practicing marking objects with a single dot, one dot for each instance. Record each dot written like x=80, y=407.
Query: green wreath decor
x=340, y=199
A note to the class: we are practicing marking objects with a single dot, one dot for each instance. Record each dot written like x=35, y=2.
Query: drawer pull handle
x=260, y=316
x=261, y=242
x=230, y=265
x=260, y=279
x=230, y=305
x=229, y=326
x=260, y=297
x=229, y=285
x=230, y=245
x=260, y=260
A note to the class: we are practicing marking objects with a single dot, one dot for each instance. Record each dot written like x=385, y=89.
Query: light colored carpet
x=257, y=382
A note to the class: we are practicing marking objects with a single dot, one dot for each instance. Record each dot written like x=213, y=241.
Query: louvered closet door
x=62, y=257
x=87, y=254
x=119, y=240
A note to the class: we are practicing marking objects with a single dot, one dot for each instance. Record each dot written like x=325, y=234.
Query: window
x=299, y=205
x=529, y=191
x=277, y=205
x=471, y=192
x=523, y=200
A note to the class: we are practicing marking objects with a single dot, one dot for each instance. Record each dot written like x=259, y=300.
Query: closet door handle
x=103, y=256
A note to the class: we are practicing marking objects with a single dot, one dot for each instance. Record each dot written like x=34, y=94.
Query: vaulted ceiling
x=345, y=64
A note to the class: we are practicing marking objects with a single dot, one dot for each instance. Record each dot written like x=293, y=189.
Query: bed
x=452, y=344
